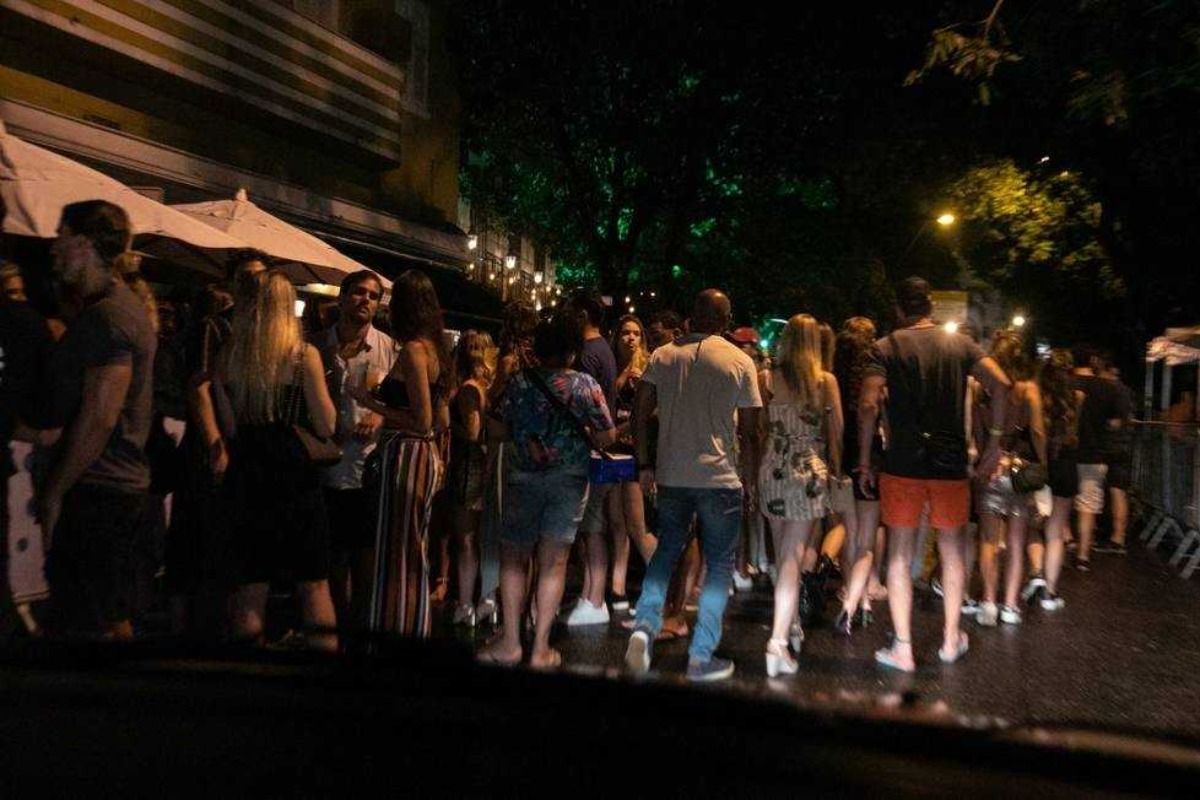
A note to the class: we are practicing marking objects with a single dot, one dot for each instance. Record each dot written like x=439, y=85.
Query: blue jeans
x=720, y=517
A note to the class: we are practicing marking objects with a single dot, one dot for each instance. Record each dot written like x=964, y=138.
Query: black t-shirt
x=114, y=330
x=25, y=348
x=596, y=359
x=926, y=371
x=1102, y=401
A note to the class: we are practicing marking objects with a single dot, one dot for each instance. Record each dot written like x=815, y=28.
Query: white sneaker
x=987, y=615
x=637, y=655
x=1010, y=615
x=1052, y=602
x=742, y=582
x=587, y=614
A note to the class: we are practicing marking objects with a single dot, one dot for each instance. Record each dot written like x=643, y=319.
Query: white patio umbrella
x=301, y=255
x=35, y=185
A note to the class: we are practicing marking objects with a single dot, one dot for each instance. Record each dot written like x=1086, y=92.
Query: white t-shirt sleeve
x=653, y=369
x=748, y=394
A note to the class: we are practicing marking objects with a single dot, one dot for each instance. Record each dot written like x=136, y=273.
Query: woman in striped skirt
x=413, y=401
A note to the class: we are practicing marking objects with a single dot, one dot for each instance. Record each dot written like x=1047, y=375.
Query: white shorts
x=1090, y=498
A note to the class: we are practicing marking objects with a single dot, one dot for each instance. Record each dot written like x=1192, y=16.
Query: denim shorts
x=543, y=505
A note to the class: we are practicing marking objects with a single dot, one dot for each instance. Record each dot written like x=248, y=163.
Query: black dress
x=279, y=529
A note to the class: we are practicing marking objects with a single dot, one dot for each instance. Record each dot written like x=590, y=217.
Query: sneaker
x=637, y=655
x=715, y=669
x=1033, y=586
x=1052, y=602
x=587, y=614
x=936, y=586
x=742, y=583
x=987, y=615
x=969, y=607
x=1010, y=615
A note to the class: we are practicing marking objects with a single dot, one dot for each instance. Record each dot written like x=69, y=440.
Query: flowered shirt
x=542, y=436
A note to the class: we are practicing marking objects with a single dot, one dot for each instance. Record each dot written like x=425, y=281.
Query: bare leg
x=860, y=536
x=552, y=561
x=317, y=615
x=597, y=569
x=1035, y=547
x=249, y=612
x=1120, y=514
x=505, y=648
x=794, y=536
x=1055, y=529
x=989, y=569
x=1087, y=529
x=1016, y=560
x=970, y=542
x=466, y=523
x=875, y=586
x=341, y=584
x=837, y=538
x=618, y=530
x=901, y=547
x=635, y=520
x=953, y=584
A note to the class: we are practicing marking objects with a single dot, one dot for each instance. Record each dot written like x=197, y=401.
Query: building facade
x=339, y=115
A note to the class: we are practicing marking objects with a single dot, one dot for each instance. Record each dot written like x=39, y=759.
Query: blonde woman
x=475, y=363
x=277, y=511
x=626, y=510
x=802, y=449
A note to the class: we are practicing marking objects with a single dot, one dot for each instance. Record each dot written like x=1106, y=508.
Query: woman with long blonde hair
x=626, y=509
x=803, y=436
x=475, y=362
x=277, y=511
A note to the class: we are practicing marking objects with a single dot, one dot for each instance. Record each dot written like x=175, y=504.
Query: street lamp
x=510, y=262
x=945, y=219
x=472, y=242
x=539, y=276
x=1018, y=321
x=951, y=327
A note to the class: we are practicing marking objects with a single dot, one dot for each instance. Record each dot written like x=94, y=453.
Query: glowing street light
x=472, y=242
x=510, y=262
x=1018, y=321
x=539, y=276
x=951, y=327
x=946, y=219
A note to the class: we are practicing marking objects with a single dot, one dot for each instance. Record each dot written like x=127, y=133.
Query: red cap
x=744, y=335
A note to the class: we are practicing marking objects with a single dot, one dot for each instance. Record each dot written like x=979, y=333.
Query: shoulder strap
x=561, y=407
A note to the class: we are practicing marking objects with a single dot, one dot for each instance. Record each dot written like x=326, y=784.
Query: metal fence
x=1166, y=481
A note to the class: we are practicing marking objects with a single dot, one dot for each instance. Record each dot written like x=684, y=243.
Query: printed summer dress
x=793, y=480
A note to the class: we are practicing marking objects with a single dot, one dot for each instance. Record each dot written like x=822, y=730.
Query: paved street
x=1124, y=655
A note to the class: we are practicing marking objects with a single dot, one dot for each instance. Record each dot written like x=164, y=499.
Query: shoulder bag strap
x=561, y=407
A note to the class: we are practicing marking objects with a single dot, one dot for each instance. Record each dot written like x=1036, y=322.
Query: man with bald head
x=705, y=391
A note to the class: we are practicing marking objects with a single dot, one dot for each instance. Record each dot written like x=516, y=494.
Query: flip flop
x=964, y=644
x=887, y=658
x=555, y=662
x=485, y=657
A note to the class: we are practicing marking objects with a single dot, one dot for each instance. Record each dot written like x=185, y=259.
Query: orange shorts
x=901, y=501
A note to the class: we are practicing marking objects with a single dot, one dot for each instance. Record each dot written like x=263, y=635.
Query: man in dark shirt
x=96, y=491
x=925, y=369
x=596, y=359
x=1102, y=414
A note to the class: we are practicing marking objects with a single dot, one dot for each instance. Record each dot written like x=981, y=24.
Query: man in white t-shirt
x=705, y=391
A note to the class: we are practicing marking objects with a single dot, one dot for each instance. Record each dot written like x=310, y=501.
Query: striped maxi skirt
x=411, y=474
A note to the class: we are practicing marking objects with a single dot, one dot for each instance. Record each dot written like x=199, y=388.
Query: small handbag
x=1027, y=476
x=320, y=451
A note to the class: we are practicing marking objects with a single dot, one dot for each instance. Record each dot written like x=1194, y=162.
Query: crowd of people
x=393, y=476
